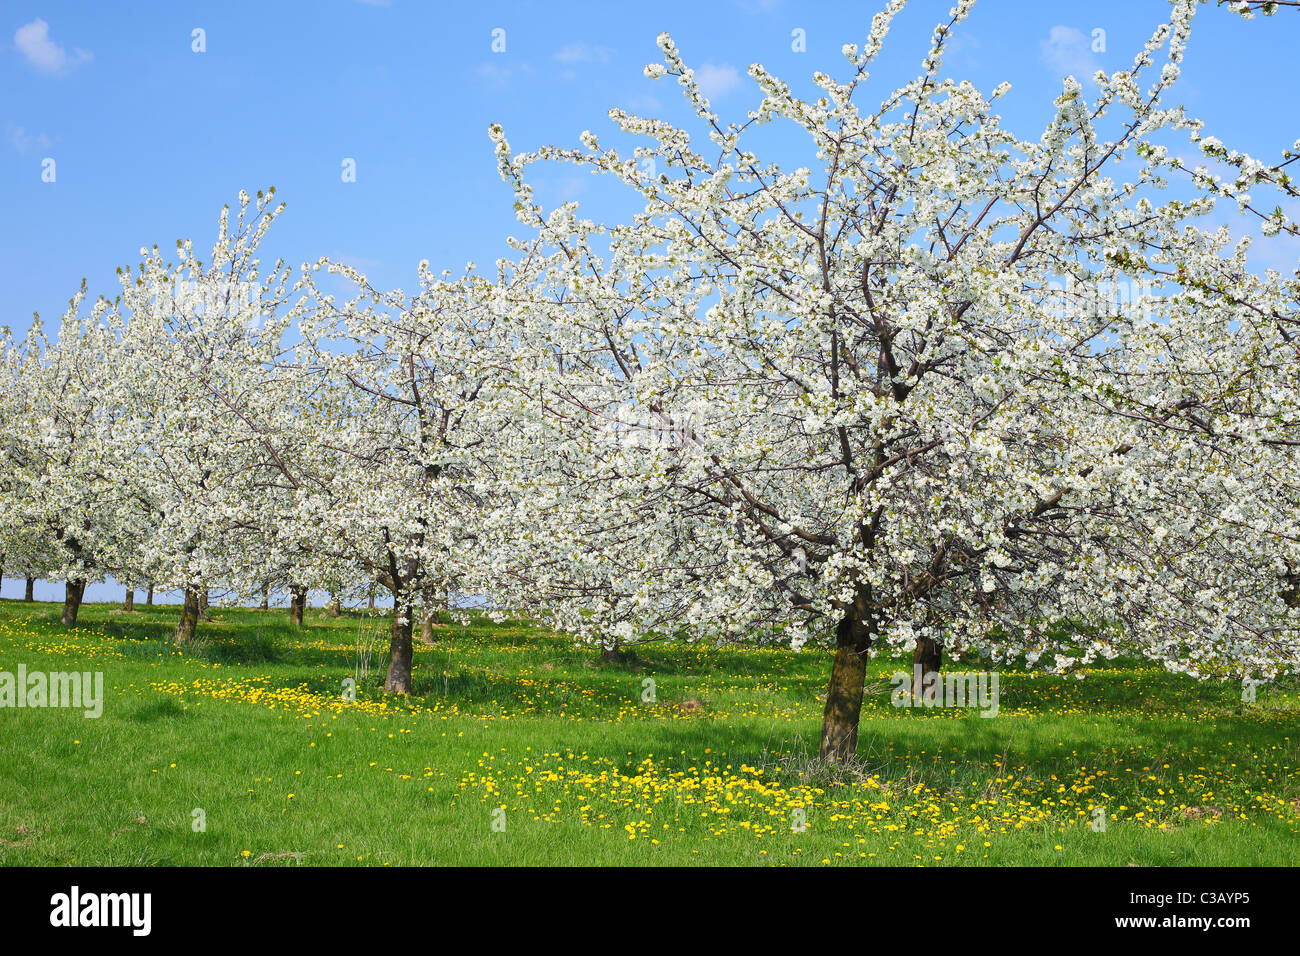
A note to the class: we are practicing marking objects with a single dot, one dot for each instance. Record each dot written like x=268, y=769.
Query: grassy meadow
x=521, y=748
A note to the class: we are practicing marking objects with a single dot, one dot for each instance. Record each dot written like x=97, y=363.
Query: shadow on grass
x=164, y=709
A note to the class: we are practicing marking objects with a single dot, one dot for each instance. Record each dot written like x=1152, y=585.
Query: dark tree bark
x=401, y=651
x=853, y=636
x=72, y=594
x=205, y=606
x=612, y=654
x=30, y=594
x=297, y=605
x=266, y=597
x=129, y=604
x=335, y=607
x=148, y=597
x=189, y=623
x=927, y=658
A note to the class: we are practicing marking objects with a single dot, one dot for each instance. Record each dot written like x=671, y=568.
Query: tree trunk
x=1291, y=589
x=266, y=597
x=148, y=596
x=297, y=605
x=927, y=658
x=336, y=608
x=205, y=606
x=400, y=651
x=72, y=594
x=613, y=654
x=189, y=624
x=129, y=604
x=426, y=626
x=30, y=594
x=839, y=743
x=372, y=597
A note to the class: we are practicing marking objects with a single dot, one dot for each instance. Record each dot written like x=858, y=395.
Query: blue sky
x=150, y=138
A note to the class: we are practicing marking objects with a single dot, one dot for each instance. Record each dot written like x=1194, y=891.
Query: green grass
x=252, y=729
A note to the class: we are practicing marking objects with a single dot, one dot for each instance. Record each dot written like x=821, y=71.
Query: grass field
x=520, y=748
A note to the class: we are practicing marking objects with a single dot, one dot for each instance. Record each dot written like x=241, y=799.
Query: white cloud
x=33, y=42
x=1069, y=52
x=22, y=140
x=717, y=80
x=584, y=53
